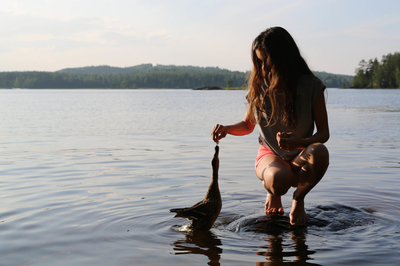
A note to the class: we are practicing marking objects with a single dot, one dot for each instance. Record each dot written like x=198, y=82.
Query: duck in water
x=204, y=213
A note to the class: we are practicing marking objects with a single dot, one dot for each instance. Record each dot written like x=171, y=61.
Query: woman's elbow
x=326, y=136
x=250, y=127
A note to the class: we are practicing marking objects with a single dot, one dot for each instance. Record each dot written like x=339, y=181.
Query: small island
x=208, y=88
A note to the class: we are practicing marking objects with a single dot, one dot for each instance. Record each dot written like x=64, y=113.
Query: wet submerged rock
x=338, y=217
x=335, y=217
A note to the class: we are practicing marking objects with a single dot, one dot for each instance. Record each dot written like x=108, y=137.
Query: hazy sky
x=333, y=35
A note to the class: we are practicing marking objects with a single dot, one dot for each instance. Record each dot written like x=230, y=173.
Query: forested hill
x=141, y=76
x=334, y=80
x=101, y=70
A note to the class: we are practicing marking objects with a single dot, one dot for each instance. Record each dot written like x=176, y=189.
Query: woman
x=285, y=100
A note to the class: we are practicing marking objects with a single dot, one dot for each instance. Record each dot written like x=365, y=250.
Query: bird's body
x=204, y=213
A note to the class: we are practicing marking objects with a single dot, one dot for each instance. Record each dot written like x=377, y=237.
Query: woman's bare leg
x=311, y=165
x=276, y=176
x=273, y=204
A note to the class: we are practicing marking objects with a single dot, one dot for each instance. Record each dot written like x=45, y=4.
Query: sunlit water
x=87, y=177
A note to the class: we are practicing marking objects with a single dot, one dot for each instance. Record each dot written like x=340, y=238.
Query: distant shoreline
x=213, y=88
x=227, y=89
x=224, y=89
x=143, y=76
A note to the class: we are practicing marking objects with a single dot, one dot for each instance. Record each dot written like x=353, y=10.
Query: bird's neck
x=213, y=189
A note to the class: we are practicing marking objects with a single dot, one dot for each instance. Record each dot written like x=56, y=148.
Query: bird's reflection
x=200, y=242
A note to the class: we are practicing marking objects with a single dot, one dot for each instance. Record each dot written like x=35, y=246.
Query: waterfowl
x=204, y=213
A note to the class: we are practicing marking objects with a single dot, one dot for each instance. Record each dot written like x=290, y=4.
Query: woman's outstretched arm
x=244, y=127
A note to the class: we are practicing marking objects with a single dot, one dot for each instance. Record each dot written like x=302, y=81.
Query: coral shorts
x=262, y=152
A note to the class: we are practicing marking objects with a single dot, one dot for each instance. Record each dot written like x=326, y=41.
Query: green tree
x=397, y=76
x=378, y=74
x=17, y=83
x=124, y=84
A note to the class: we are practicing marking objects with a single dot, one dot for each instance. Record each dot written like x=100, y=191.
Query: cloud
x=379, y=28
x=155, y=34
x=28, y=30
x=34, y=37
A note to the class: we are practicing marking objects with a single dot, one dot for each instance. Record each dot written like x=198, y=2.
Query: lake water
x=87, y=177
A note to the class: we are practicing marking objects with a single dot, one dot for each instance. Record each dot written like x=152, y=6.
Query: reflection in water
x=200, y=242
x=278, y=228
x=286, y=244
x=275, y=252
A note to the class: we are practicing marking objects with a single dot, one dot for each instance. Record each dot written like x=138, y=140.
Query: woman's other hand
x=288, y=141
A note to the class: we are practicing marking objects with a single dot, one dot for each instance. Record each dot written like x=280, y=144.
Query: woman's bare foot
x=273, y=204
x=298, y=214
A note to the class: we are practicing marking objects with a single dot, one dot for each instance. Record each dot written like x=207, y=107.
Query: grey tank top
x=309, y=87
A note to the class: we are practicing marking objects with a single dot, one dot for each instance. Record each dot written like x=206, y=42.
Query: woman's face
x=266, y=63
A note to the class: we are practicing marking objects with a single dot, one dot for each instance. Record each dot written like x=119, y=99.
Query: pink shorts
x=262, y=152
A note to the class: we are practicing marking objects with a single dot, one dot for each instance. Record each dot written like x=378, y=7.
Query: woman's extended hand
x=288, y=141
x=219, y=132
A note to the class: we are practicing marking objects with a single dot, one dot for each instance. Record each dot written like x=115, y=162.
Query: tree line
x=375, y=74
x=153, y=78
x=141, y=76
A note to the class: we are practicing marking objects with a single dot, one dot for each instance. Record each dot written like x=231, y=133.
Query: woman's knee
x=318, y=153
x=277, y=182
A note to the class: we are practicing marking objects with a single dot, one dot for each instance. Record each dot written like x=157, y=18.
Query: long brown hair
x=288, y=66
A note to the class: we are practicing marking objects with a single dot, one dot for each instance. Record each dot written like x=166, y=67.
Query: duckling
x=204, y=213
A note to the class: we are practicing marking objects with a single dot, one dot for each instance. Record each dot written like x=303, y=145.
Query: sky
x=333, y=35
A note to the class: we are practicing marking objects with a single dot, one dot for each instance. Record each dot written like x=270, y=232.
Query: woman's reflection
x=279, y=250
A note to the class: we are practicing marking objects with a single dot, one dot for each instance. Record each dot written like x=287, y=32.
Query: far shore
x=206, y=88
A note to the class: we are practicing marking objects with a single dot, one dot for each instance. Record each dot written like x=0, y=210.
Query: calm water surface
x=87, y=178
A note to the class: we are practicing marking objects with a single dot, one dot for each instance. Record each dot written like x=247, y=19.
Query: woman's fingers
x=284, y=139
x=218, y=132
x=214, y=133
